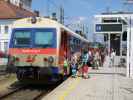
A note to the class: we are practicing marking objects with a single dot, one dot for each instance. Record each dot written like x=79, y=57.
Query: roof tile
x=10, y=11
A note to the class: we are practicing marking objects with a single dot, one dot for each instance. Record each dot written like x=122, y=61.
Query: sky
x=80, y=9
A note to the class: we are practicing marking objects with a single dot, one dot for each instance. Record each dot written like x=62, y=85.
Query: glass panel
x=0, y=29
x=22, y=38
x=44, y=39
x=6, y=29
x=5, y=46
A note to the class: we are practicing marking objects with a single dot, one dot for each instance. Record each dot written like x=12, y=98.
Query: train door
x=64, y=43
x=63, y=46
x=64, y=51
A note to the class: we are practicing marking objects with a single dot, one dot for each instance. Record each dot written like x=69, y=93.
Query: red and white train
x=38, y=47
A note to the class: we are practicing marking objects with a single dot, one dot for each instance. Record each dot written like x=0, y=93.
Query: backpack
x=85, y=57
x=65, y=63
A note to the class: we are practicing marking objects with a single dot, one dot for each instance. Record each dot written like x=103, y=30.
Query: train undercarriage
x=37, y=75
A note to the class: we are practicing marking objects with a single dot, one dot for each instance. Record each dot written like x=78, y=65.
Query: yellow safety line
x=70, y=88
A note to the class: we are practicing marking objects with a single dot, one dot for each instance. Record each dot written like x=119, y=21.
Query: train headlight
x=50, y=59
x=45, y=59
x=17, y=59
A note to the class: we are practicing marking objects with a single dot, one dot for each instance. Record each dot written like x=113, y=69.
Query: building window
x=6, y=29
x=5, y=46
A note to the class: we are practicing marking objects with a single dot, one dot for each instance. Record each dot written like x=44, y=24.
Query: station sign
x=108, y=28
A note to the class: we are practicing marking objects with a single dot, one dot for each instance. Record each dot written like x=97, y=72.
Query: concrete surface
x=107, y=83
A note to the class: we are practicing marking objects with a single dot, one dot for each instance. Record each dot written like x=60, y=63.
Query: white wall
x=130, y=49
x=26, y=3
x=16, y=2
x=5, y=37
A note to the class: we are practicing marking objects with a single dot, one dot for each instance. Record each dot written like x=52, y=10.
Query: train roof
x=75, y=34
x=44, y=22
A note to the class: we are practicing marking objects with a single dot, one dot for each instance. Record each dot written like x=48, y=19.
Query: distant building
x=117, y=29
x=8, y=14
x=23, y=3
x=113, y=26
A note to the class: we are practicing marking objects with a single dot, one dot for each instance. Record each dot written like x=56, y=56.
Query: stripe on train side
x=32, y=51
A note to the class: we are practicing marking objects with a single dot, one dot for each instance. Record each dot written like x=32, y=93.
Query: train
x=38, y=48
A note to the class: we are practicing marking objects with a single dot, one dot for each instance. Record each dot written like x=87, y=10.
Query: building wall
x=5, y=33
x=16, y=2
x=130, y=51
x=25, y=3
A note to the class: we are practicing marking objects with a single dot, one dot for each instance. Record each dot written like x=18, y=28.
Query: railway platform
x=107, y=83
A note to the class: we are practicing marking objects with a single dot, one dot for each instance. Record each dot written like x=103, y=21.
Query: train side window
x=77, y=42
x=73, y=40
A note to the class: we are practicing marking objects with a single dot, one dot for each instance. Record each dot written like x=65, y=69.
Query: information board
x=108, y=28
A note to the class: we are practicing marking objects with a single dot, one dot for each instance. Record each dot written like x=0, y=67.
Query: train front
x=33, y=51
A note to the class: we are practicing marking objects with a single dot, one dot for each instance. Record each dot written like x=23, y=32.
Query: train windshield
x=43, y=39
x=22, y=38
x=34, y=38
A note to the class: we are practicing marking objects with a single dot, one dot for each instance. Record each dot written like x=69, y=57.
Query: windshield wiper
x=44, y=46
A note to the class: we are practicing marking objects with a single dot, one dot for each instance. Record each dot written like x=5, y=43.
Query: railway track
x=28, y=92
x=23, y=94
x=3, y=72
x=11, y=90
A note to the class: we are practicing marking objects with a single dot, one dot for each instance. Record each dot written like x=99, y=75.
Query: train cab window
x=22, y=38
x=44, y=39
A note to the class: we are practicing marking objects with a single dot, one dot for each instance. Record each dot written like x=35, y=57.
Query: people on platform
x=74, y=68
x=82, y=61
x=96, y=59
x=85, y=59
x=74, y=63
x=112, y=57
x=65, y=66
x=90, y=58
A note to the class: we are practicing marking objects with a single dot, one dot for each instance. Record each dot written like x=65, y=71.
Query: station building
x=10, y=12
x=117, y=30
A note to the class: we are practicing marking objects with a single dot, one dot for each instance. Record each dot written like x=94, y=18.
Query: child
x=74, y=68
x=65, y=67
x=85, y=71
x=85, y=59
x=80, y=72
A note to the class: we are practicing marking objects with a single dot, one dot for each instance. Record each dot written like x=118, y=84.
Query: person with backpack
x=96, y=59
x=74, y=64
x=112, y=58
x=73, y=68
x=65, y=66
x=85, y=59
